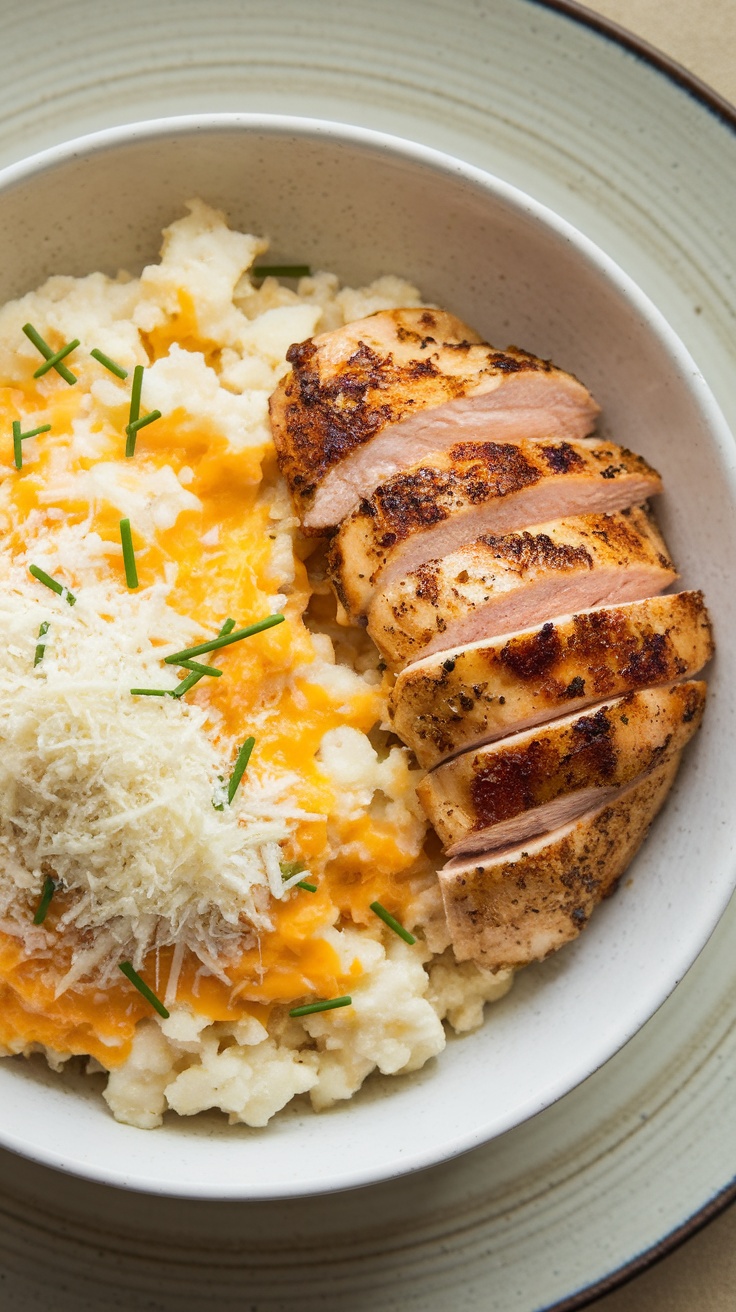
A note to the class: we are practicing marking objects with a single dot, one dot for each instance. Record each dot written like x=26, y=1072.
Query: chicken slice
x=501, y=583
x=521, y=904
x=456, y=700
x=477, y=487
x=372, y=398
x=534, y=782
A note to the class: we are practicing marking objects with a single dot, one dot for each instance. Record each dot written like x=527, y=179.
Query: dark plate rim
x=726, y=112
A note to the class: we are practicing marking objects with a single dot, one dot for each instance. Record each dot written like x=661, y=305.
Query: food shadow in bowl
x=362, y=205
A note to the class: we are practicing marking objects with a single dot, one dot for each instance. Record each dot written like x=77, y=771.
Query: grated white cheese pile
x=113, y=793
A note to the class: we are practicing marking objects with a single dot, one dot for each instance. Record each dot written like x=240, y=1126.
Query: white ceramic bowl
x=364, y=204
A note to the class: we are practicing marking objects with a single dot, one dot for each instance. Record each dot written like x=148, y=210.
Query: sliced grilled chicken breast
x=520, y=904
x=456, y=700
x=501, y=583
x=477, y=487
x=372, y=398
x=534, y=782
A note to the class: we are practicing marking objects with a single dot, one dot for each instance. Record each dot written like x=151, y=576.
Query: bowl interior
x=362, y=205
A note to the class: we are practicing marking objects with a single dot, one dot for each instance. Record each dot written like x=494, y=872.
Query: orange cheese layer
x=232, y=578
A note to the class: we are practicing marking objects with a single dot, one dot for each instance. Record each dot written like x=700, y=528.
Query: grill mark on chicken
x=502, y=583
x=518, y=906
x=389, y=372
x=538, y=779
x=473, y=488
x=451, y=702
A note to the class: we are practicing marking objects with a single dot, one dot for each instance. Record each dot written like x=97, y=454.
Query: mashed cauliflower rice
x=234, y=913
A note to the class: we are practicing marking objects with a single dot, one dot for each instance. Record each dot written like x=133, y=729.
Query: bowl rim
x=91, y=144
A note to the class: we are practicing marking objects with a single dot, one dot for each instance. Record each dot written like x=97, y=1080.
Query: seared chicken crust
x=365, y=401
x=477, y=487
x=456, y=700
x=521, y=904
x=501, y=583
x=535, y=781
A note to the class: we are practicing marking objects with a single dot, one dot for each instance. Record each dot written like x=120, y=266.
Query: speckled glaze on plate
x=549, y=1211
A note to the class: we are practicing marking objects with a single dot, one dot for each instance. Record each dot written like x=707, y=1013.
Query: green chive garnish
x=48, y=354
x=142, y=987
x=152, y=692
x=109, y=364
x=223, y=640
x=291, y=868
x=41, y=645
x=240, y=766
x=135, y=394
x=19, y=438
x=312, y=1007
x=186, y=684
x=53, y=360
x=132, y=430
x=201, y=669
x=392, y=923
x=282, y=271
x=48, y=582
x=49, y=888
x=126, y=537
x=33, y=432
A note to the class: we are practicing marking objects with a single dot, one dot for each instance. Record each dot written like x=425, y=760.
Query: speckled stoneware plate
x=546, y=1213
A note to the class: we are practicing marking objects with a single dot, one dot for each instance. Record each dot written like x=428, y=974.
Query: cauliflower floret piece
x=459, y=991
x=390, y=1025
x=250, y=1083
x=135, y=1091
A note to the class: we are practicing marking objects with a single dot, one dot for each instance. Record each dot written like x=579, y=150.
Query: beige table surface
x=700, y=1276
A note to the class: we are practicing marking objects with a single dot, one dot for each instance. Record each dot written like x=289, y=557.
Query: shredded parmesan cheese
x=112, y=794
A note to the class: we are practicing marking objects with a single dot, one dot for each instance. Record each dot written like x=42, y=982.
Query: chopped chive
x=142, y=987
x=47, y=353
x=40, y=645
x=282, y=271
x=145, y=420
x=51, y=361
x=109, y=364
x=186, y=684
x=392, y=922
x=152, y=692
x=240, y=767
x=48, y=582
x=126, y=537
x=33, y=432
x=201, y=669
x=312, y=1007
x=135, y=394
x=291, y=868
x=49, y=888
x=223, y=640
x=131, y=430
x=19, y=438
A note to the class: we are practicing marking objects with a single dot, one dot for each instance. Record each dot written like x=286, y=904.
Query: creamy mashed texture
x=121, y=799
